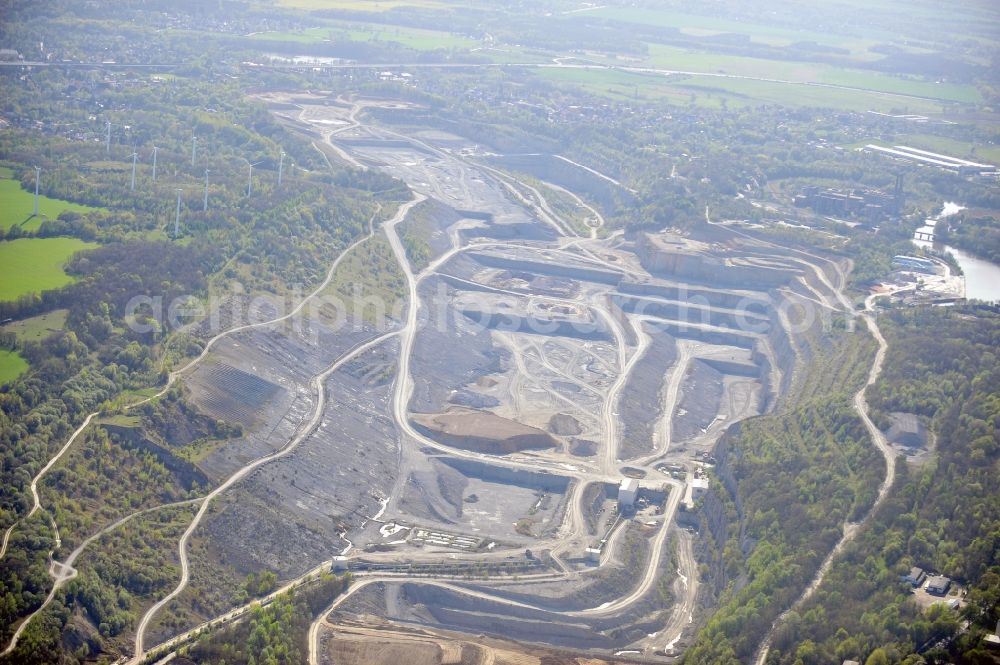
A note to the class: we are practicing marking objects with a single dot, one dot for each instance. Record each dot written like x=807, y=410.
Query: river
x=982, y=278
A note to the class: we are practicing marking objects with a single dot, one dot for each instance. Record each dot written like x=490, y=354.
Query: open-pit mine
x=521, y=452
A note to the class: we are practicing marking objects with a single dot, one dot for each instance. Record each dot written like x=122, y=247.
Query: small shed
x=907, y=431
x=915, y=577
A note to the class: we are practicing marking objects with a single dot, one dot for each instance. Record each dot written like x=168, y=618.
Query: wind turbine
x=205, y=206
x=194, y=148
x=177, y=216
x=281, y=166
x=250, y=173
x=154, y=162
x=135, y=156
x=38, y=176
x=108, y=138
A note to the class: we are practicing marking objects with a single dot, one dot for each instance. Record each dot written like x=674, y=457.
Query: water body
x=982, y=278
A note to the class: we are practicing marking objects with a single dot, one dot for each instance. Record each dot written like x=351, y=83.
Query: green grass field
x=705, y=25
x=17, y=205
x=120, y=420
x=754, y=92
x=33, y=265
x=310, y=36
x=710, y=91
x=623, y=86
x=360, y=5
x=954, y=148
x=669, y=57
x=415, y=38
x=367, y=280
x=38, y=327
x=12, y=365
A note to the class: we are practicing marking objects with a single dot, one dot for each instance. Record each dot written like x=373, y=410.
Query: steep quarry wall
x=675, y=259
x=540, y=480
x=575, y=328
x=733, y=368
x=134, y=437
x=706, y=334
x=693, y=312
x=560, y=172
x=399, y=144
x=784, y=354
x=751, y=301
x=540, y=268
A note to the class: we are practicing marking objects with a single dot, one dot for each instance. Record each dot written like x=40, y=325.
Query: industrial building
x=695, y=490
x=627, y=492
x=914, y=263
x=917, y=156
x=926, y=232
x=868, y=204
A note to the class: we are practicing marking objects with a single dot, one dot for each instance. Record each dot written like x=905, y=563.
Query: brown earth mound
x=564, y=424
x=382, y=643
x=482, y=431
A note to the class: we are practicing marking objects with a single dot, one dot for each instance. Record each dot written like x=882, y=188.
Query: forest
x=791, y=480
x=942, y=515
x=274, y=634
x=99, y=361
x=976, y=233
